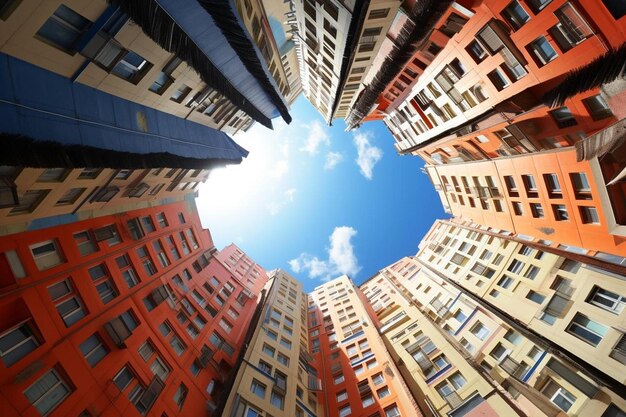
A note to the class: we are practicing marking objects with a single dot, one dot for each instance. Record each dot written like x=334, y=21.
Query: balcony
x=118, y=331
x=439, y=308
x=364, y=388
x=453, y=399
x=512, y=367
x=395, y=321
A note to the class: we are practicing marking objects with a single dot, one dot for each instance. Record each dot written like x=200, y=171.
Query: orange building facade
x=129, y=314
x=358, y=376
x=512, y=137
x=549, y=196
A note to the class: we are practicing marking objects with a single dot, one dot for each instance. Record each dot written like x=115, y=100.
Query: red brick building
x=127, y=315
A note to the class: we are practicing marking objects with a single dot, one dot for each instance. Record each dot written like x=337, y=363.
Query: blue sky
x=317, y=201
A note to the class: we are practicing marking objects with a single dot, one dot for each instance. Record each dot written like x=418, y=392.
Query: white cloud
x=316, y=137
x=367, y=155
x=341, y=257
x=332, y=159
x=275, y=206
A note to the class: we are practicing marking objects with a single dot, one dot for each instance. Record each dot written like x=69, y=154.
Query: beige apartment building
x=124, y=61
x=278, y=376
x=440, y=378
x=337, y=43
x=552, y=319
x=367, y=42
x=45, y=195
x=281, y=15
x=358, y=375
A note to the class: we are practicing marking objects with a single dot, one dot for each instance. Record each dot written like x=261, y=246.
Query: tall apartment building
x=278, y=16
x=152, y=53
x=491, y=90
x=460, y=356
x=337, y=43
x=278, y=376
x=358, y=375
x=552, y=319
x=35, y=198
x=405, y=54
x=120, y=315
x=549, y=196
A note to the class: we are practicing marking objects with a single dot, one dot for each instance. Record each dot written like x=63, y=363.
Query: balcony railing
x=512, y=367
x=453, y=399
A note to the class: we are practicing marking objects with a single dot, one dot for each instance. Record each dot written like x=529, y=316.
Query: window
x=534, y=353
x=538, y=5
x=505, y=282
x=180, y=395
x=392, y=411
x=515, y=14
x=146, y=261
x=543, y=51
x=258, y=388
x=127, y=270
x=378, y=13
x=48, y=392
x=93, y=350
x=563, y=117
x=345, y=411
x=535, y=297
x=552, y=184
x=597, y=107
x=558, y=395
x=104, y=285
x=282, y=359
x=589, y=215
x=477, y=51
x=581, y=185
x=383, y=392
x=560, y=212
x=63, y=29
x=89, y=173
x=180, y=94
x=268, y=350
x=338, y=379
x=175, y=342
x=479, y=330
x=46, y=254
x=131, y=67
x=537, y=210
x=607, y=300
x=498, y=79
x=29, y=201
x=516, y=266
x=277, y=400
x=367, y=401
x=457, y=380
x=532, y=272
x=17, y=342
x=530, y=185
x=70, y=196
x=341, y=396
x=499, y=352
x=517, y=208
x=162, y=220
x=85, y=242
x=586, y=329
x=68, y=304
x=286, y=343
x=108, y=234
